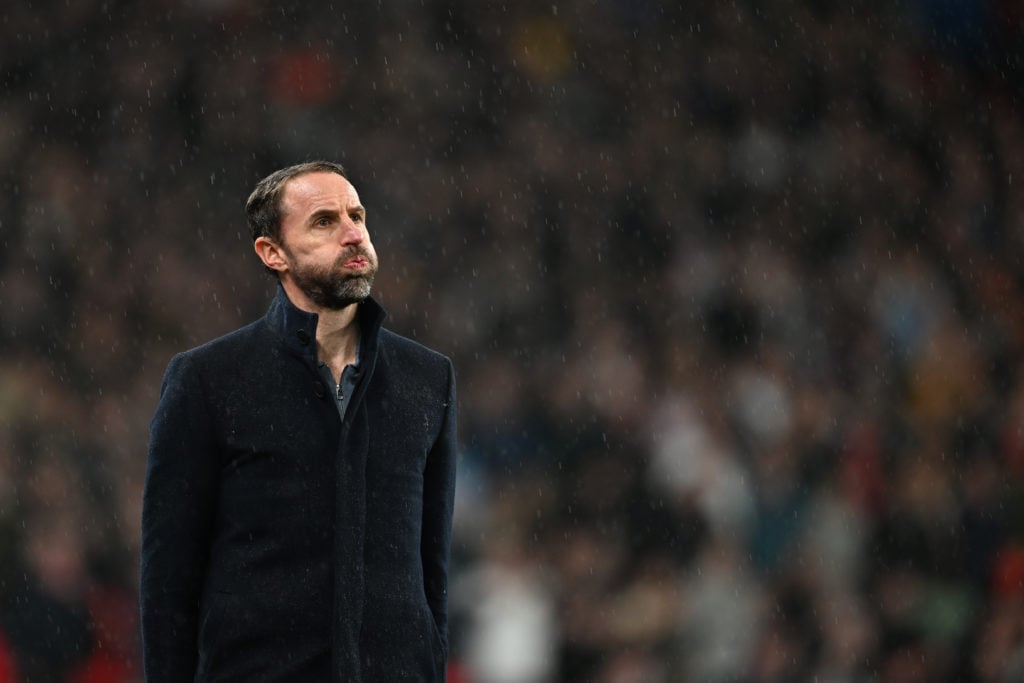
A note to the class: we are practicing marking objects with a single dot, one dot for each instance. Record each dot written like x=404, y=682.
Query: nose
x=351, y=232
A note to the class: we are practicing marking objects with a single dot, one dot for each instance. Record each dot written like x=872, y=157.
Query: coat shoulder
x=227, y=356
x=407, y=350
x=416, y=361
x=250, y=337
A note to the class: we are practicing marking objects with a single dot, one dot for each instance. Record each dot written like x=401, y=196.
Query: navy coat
x=282, y=543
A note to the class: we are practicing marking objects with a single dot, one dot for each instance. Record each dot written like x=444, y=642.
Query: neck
x=337, y=336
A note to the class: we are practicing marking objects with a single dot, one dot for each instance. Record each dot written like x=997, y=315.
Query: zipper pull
x=338, y=387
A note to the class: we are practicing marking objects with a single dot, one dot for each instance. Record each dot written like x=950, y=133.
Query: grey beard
x=333, y=290
x=335, y=293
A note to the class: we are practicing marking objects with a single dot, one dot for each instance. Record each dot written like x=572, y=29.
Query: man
x=297, y=510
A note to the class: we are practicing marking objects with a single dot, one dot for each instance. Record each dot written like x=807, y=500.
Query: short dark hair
x=263, y=208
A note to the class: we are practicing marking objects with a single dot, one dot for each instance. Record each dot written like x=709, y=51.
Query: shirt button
x=303, y=337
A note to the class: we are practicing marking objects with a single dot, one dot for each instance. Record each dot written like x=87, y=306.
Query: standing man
x=297, y=511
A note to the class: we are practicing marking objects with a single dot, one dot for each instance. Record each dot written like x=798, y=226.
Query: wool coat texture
x=281, y=542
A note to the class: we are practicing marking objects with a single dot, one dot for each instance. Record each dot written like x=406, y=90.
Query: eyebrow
x=320, y=213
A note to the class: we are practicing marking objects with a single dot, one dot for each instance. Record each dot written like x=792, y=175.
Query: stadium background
x=734, y=292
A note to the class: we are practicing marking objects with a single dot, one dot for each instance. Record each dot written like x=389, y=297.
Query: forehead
x=313, y=191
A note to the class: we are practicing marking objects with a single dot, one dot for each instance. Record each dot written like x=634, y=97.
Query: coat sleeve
x=178, y=505
x=438, y=501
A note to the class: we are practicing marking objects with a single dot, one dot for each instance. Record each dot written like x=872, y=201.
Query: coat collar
x=297, y=328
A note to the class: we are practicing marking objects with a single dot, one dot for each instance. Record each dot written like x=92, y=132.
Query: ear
x=271, y=254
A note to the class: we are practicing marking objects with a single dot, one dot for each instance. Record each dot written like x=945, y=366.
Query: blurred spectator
x=46, y=619
x=510, y=633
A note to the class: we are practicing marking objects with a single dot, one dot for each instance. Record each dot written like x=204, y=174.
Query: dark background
x=733, y=289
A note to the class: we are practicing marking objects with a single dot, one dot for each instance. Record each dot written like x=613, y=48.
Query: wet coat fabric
x=282, y=543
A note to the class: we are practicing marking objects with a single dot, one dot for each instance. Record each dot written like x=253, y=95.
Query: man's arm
x=177, y=510
x=438, y=500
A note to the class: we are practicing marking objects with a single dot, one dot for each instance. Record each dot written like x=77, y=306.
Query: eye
x=357, y=217
x=323, y=221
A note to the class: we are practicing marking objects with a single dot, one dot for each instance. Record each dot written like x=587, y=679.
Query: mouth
x=357, y=263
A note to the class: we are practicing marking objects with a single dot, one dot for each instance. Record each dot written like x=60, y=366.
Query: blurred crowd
x=734, y=291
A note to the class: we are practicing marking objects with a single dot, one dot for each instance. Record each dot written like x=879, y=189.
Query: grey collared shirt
x=342, y=390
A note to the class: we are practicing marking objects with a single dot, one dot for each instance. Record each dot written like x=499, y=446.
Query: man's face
x=325, y=242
